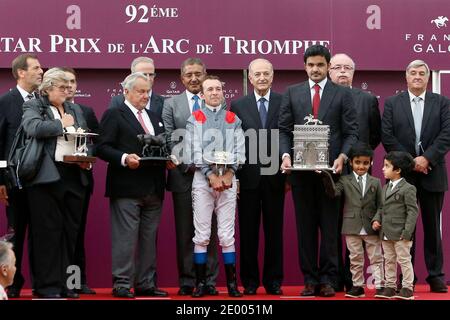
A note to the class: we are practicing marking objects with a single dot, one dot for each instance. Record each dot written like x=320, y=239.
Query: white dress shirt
x=147, y=123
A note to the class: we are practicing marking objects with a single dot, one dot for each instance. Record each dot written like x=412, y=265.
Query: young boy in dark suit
x=362, y=199
x=397, y=220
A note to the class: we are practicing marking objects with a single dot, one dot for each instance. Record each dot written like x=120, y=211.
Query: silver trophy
x=80, y=140
x=219, y=161
x=311, y=145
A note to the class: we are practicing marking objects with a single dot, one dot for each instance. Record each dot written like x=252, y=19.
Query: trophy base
x=315, y=168
x=77, y=159
x=154, y=161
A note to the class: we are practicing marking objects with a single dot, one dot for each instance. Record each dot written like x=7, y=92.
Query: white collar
x=266, y=96
x=23, y=92
x=321, y=83
x=412, y=96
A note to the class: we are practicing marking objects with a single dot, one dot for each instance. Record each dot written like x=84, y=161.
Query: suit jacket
x=156, y=102
x=10, y=118
x=368, y=117
x=336, y=110
x=398, y=134
x=247, y=110
x=118, y=135
x=43, y=125
x=359, y=210
x=175, y=114
x=399, y=212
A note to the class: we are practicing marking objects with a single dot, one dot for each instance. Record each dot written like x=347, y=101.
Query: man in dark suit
x=418, y=122
x=260, y=191
x=147, y=66
x=176, y=112
x=92, y=124
x=334, y=106
x=27, y=70
x=342, y=70
x=135, y=190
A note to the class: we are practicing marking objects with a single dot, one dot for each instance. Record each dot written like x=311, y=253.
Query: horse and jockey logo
x=440, y=21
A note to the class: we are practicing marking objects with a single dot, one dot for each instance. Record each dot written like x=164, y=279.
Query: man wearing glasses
x=146, y=66
x=342, y=70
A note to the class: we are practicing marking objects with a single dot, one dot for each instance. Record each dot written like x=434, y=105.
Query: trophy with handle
x=80, y=140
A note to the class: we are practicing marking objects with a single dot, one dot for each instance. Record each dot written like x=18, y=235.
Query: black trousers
x=18, y=215
x=431, y=205
x=316, y=214
x=80, y=252
x=55, y=210
x=268, y=202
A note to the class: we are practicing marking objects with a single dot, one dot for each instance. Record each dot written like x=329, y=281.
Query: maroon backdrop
x=96, y=88
x=382, y=38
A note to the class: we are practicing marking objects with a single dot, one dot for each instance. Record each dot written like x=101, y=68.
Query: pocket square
x=160, y=124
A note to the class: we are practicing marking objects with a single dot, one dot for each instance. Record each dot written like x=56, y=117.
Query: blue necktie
x=196, y=105
x=262, y=112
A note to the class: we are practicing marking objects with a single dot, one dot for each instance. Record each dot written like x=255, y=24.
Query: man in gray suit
x=176, y=111
x=146, y=66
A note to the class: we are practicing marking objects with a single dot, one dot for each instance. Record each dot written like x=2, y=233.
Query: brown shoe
x=387, y=293
x=308, y=291
x=405, y=294
x=326, y=290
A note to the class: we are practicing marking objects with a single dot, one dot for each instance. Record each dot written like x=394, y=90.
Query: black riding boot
x=230, y=271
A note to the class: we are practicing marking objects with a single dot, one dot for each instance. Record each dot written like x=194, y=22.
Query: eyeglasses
x=150, y=75
x=340, y=66
x=62, y=88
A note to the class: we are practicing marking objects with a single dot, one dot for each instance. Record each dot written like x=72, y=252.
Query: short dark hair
x=21, y=62
x=210, y=77
x=68, y=69
x=191, y=61
x=317, y=50
x=401, y=160
x=360, y=149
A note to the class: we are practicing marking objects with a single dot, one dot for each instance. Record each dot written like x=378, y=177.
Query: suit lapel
x=369, y=183
x=272, y=109
x=427, y=108
x=354, y=183
x=17, y=96
x=253, y=110
x=406, y=105
x=131, y=119
x=305, y=100
x=183, y=106
x=157, y=125
x=396, y=189
x=327, y=97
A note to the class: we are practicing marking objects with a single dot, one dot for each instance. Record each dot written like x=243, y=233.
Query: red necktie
x=316, y=101
x=141, y=121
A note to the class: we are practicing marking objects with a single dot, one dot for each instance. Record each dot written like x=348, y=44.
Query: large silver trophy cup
x=80, y=140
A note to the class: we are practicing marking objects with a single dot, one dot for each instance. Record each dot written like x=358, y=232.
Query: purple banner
x=226, y=35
